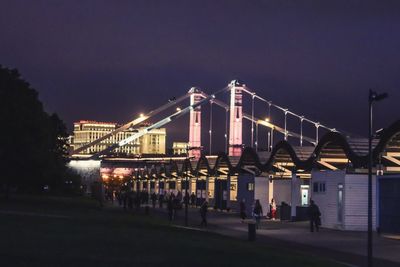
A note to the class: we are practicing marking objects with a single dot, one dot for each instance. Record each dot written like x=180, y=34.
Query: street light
x=186, y=198
x=373, y=97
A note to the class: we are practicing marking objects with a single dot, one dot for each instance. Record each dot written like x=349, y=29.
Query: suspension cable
x=301, y=132
x=272, y=139
x=210, y=131
x=268, y=141
x=226, y=130
x=270, y=130
x=256, y=143
x=246, y=90
x=252, y=120
x=286, y=125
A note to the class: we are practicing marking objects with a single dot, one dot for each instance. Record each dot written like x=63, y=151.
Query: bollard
x=252, y=231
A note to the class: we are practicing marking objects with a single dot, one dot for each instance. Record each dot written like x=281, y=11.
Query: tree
x=33, y=147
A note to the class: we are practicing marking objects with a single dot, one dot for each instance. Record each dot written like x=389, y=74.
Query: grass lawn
x=47, y=231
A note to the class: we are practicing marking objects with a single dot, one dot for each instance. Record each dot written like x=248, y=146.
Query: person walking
x=315, y=216
x=257, y=212
x=170, y=208
x=124, y=196
x=130, y=200
x=272, y=207
x=192, y=199
x=137, y=200
x=179, y=196
x=119, y=198
x=154, y=199
x=161, y=200
x=176, y=205
x=243, y=209
x=186, y=198
x=203, y=214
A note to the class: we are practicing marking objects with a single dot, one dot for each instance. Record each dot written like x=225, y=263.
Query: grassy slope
x=94, y=237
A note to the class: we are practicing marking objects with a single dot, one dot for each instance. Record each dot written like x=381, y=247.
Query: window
x=250, y=186
x=319, y=187
x=340, y=203
x=322, y=187
x=233, y=187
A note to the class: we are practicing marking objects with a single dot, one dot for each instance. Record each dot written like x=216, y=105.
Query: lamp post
x=186, y=198
x=373, y=97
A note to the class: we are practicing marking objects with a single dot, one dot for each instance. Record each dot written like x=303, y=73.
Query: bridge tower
x=236, y=117
x=195, y=124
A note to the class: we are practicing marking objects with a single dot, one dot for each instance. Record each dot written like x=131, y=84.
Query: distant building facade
x=88, y=131
x=179, y=148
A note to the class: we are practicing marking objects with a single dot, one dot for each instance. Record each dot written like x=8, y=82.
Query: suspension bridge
x=291, y=168
x=233, y=122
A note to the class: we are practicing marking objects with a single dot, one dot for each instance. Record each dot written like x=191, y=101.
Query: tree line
x=33, y=143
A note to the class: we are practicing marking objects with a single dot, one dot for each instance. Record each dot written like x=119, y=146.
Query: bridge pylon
x=236, y=117
x=195, y=124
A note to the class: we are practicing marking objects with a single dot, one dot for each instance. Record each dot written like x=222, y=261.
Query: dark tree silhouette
x=33, y=144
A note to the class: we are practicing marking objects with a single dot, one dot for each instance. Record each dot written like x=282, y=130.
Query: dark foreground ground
x=48, y=231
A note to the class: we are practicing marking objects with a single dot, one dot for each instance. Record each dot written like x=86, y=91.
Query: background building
x=87, y=131
x=179, y=148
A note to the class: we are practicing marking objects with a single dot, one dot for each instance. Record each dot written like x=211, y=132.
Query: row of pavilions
x=333, y=174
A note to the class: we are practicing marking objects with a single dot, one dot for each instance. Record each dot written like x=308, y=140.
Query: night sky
x=111, y=60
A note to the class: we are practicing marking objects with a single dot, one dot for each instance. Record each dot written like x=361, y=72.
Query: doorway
x=305, y=195
x=340, y=203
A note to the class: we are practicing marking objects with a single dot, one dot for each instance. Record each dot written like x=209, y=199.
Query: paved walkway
x=341, y=246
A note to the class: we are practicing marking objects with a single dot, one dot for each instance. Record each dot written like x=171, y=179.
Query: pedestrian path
x=342, y=246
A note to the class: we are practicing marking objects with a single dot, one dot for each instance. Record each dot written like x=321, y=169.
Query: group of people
x=129, y=199
x=190, y=199
x=175, y=202
x=257, y=211
x=313, y=211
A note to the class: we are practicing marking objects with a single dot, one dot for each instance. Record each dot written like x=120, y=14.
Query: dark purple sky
x=110, y=60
